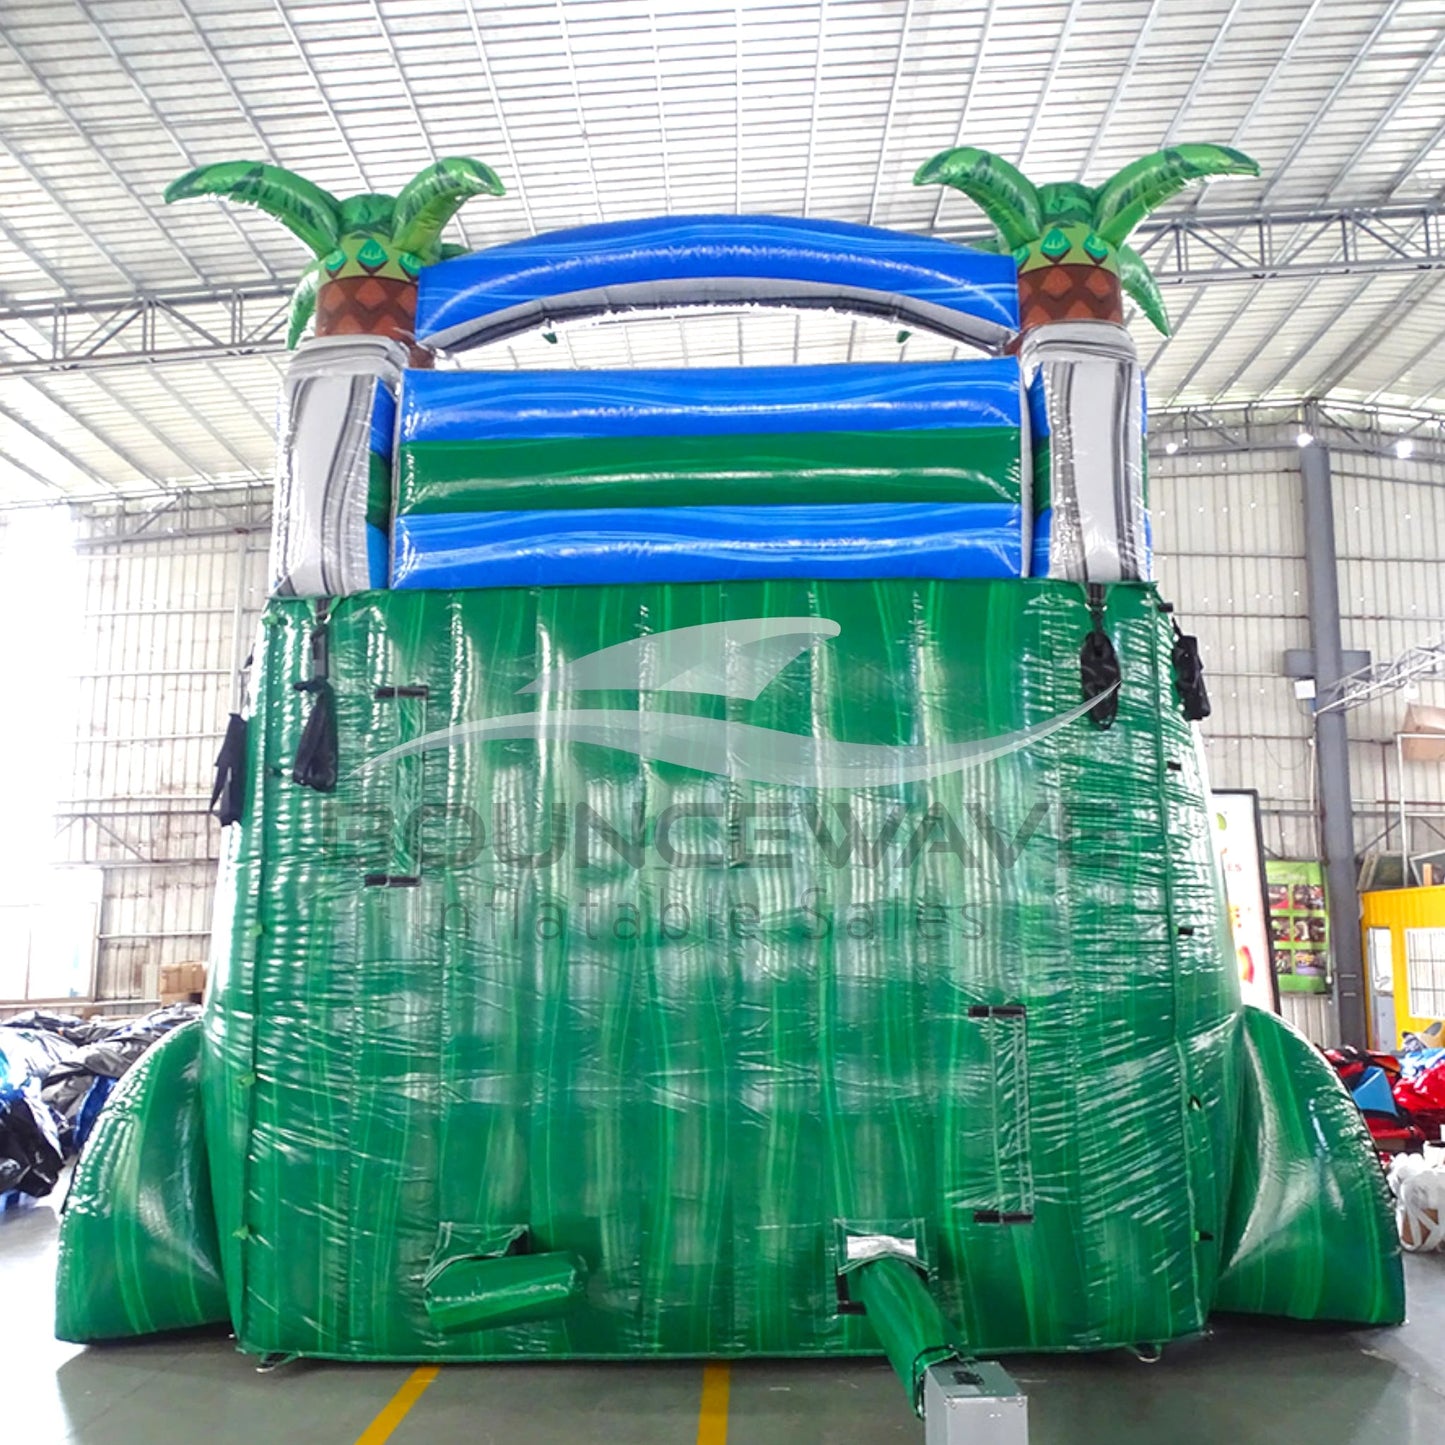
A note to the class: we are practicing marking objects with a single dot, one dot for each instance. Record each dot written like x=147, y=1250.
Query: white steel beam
x=514, y=180
x=984, y=35
x=1121, y=86
x=893, y=88
x=1225, y=428
x=1055, y=61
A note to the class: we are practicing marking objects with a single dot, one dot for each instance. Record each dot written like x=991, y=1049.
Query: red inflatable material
x=1423, y=1097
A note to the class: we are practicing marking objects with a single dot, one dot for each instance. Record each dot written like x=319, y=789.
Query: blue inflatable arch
x=671, y=261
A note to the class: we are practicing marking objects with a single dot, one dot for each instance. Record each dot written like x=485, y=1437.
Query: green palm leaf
x=1141, y=287
x=1005, y=195
x=430, y=199
x=303, y=305
x=1144, y=185
x=1066, y=203
x=371, y=214
x=303, y=208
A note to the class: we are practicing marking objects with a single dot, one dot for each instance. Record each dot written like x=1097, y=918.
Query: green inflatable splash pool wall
x=564, y=1028
x=138, y=1246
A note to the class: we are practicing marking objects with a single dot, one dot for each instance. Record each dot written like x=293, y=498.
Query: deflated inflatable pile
x=744, y=886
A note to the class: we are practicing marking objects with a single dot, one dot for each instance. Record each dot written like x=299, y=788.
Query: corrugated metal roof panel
x=609, y=109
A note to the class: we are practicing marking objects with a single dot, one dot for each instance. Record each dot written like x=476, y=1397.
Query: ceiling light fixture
x=1304, y=438
x=1404, y=448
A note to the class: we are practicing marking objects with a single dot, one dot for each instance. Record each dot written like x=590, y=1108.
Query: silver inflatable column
x=1086, y=379
x=337, y=410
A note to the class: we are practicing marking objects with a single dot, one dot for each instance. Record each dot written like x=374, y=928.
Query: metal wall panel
x=1313, y=1014
x=1229, y=548
x=168, y=617
x=1391, y=517
x=1229, y=545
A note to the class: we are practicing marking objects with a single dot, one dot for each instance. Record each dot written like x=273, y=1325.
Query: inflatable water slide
x=717, y=860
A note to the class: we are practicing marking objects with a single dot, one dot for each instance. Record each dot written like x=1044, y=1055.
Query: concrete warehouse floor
x=1247, y=1383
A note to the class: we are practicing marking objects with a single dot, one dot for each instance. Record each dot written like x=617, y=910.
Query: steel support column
x=1332, y=748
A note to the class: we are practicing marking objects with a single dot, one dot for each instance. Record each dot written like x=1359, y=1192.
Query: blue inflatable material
x=482, y=547
x=1372, y=1092
x=376, y=555
x=95, y=1097
x=705, y=544
x=718, y=260
x=383, y=447
x=495, y=405
x=383, y=422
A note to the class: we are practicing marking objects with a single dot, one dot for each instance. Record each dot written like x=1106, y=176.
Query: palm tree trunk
x=1084, y=378
x=372, y=306
x=1066, y=292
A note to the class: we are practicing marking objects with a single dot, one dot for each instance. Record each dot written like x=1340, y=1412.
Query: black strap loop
x=230, y=786
x=316, y=754
x=317, y=763
x=1099, y=672
x=1189, y=675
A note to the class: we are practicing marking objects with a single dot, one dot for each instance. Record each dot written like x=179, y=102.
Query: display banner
x=1299, y=924
x=1241, y=857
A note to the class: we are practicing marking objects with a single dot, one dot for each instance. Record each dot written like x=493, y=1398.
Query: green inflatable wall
x=678, y=1036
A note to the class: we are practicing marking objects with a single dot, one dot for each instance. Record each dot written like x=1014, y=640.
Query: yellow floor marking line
x=712, y=1417
x=397, y=1408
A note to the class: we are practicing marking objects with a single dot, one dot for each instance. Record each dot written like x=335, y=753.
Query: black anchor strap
x=1189, y=674
x=317, y=763
x=229, y=788
x=1099, y=673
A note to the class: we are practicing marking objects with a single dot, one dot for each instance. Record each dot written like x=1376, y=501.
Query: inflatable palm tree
x=332, y=482
x=369, y=249
x=1068, y=239
x=1069, y=242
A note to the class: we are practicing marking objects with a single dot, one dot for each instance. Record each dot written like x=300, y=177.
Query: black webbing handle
x=1099, y=673
x=229, y=788
x=317, y=762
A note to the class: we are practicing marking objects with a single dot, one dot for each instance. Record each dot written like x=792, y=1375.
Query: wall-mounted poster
x=1299, y=925
x=1241, y=858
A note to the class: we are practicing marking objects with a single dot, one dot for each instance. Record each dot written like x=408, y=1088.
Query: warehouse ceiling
x=140, y=346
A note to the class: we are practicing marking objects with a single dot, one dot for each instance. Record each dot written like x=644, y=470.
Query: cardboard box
x=182, y=982
x=1422, y=719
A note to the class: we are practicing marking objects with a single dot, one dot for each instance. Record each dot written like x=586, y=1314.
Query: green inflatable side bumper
x=138, y=1246
x=1311, y=1235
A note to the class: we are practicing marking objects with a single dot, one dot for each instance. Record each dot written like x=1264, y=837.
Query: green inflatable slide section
x=138, y=1246
x=1311, y=1234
